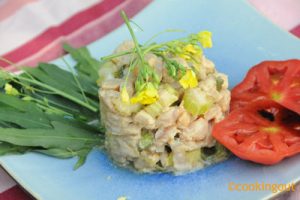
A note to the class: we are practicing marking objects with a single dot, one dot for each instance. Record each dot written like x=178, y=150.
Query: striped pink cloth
x=33, y=30
x=284, y=13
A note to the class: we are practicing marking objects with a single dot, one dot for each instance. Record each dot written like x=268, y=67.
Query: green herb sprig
x=50, y=110
x=189, y=48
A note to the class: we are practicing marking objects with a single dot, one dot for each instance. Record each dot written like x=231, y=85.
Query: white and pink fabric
x=32, y=31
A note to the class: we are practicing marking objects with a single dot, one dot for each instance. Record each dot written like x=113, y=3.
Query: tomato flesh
x=274, y=80
x=264, y=132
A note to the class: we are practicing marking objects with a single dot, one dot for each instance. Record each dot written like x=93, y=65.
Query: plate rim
x=25, y=186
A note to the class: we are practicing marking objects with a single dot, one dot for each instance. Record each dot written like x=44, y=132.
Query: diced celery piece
x=151, y=160
x=170, y=161
x=166, y=99
x=170, y=89
x=108, y=70
x=196, y=101
x=167, y=95
x=167, y=162
x=154, y=109
x=124, y=108
x=146, y=140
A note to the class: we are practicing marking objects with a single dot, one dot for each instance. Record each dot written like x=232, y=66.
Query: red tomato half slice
x=275, y=80
x=264, y=132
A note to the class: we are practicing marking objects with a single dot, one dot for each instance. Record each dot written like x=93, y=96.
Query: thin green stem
x=52, y=109
x=160, y=33
x=122, y=53
x=16, y=66
x=145, y=49
x=6, y=60
x=45, y=105
x=61, y=93
x=152, y=47
x=76, y=80
x=136, y=25
x=34, y=89
x=56, y=104
x=160, y=45
x=138, y=50
x=131, y=65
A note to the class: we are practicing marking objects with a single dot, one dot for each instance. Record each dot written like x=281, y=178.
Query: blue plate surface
x=242, y=38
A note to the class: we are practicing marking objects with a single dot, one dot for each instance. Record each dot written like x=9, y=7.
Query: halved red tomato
x=275, y=80
x=264, y=132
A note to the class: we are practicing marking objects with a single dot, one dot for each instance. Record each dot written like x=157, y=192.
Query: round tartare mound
x=172, y=133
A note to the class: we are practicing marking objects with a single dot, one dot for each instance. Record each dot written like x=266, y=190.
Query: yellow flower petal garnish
x=204, y=37
x=190, y=49
x=184, y=56
x=147, y=95
x=124, y=95
x=189, y=80
x=10, y=90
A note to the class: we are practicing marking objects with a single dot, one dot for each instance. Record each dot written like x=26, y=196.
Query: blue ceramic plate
x=242, y=38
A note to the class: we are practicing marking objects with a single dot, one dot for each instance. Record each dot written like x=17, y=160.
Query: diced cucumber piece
x=194, y=156
x=154, y=109
x=167, y=95
x=108, y=70
x=146, y=140
x=170, y=161
x=170, y=89
x=124, y=108
x=196, y=101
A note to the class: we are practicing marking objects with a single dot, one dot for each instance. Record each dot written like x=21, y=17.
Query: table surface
x=284, y=13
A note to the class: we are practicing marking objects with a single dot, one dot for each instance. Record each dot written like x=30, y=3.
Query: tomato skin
x=275, y=80
x=264, y=132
